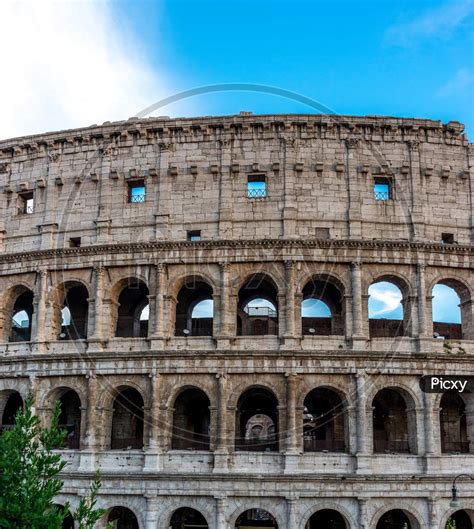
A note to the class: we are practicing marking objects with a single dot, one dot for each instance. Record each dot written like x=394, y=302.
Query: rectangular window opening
x=382, y=189
x=75, y=242
x=447, y=238
x=194, y=235
x=256, y=186
x=27, y=203
x=136, y=191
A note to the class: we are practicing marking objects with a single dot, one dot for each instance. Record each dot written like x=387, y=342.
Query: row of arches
x=323, y=421
x=258, y=307
x=189, y=518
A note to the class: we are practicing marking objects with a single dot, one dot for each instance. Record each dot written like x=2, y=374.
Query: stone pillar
x=152, y=511
x=221, y=504
x=354, y=215
x=34, y=393
x=433, y=513
x=291, y=520
x=291, y=419
x=38, y=325
x=96, y=308
x=290, y=268
x=363, y=441
x=227, y=312
x=92, y=438
x=363, y=514
x=156, y=319
x=169, y=317
x=469, y=412
x=428, y=414
x=281, y=299
x=221, y=453
x=421, y=291
x=357, y=310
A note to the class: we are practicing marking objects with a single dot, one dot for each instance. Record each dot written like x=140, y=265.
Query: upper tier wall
x=320, y=172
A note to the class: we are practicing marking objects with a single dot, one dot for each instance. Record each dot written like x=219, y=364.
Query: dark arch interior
x=257, y=421
x=192, y=293
x=326, y=519
x=254, y=519
x=257, y=320
x=395, y=519
x=127, y=420
x=68, y=522
x=191, y=420
x=461, y=519
x=453, y=424
x=390, y=422
x=323, y=421
x=186, y=517
x=21, y=328
x=122, y=518
x=323, y=290
x=132, y=300
x=76, y=302
x=70, y=417
x=13, y=403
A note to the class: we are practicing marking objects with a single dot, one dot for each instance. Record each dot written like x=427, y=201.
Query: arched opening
x=194, y=309
x=390, y=423
x=255, y=519
x=324, y=421
x=70, y=417
x=460, y=520
x=21, y=317
x=327, y=519
x=10, y=402
x=389, y=316
x=133, y=311
x=122, y=518
x=74, y=311
x=257, y=421
x=321, y=309
x=187, y=518
x=191, y=421
x=257, y=312
x=396, y=519
x=446, y=310
x=68, y=522
x=453, y=424
x=127, y=420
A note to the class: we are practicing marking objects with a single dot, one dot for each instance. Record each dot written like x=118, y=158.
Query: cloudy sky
x=74, y=63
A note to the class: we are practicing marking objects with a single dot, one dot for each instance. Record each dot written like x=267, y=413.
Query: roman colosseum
x=196, y=294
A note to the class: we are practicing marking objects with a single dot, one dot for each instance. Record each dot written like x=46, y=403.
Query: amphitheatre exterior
x=250, y=416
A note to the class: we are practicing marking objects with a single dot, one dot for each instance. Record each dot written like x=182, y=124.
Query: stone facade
x=72, y=235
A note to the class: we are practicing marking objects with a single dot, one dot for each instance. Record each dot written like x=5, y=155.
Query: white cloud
x=437, y=22
x=461, y=83
x=384, y=299
x=70, y=64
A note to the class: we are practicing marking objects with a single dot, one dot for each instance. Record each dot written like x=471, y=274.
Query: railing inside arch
x=137, y=197
x=257, y=193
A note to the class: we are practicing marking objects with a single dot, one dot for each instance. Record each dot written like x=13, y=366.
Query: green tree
x=451, y=523
x=29, y=476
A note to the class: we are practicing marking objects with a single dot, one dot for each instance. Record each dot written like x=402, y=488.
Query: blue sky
x=107, y=60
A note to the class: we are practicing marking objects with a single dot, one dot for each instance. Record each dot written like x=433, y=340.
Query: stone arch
x=71, y=417
x=194, y=289
x=468, y=508
x=126, y=419
x=329, y=290
x=70, y=299
x=414, y=517
x=127, y=518
x=128, y=298
x=10, y=402
x=187, y=514
x=325, y=421
x=332, y=505
x=389, y=327
x=465, y=329
x=254, y=320
x=191, y=420
x=16, y=300
x=176, y=283
x=257, y=505
x=200, y=504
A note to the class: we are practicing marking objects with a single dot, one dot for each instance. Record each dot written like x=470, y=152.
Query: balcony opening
x=26, y=203
x=461, y=520
x=68, y=522
x=10, y=403
x=257, y=421
x=194, y=309
x=451, y=307
x=127, y=420
x=327, y=518
x=453, y=424
x=447, y=238
x=70, y=418
x=321, y=309
x=257, y=313
x=21, y=317
x=194, y=235
x=191, y=421
x=122, y=518
x=256, y=186
x=185, y=518
x=75, y=307
x=136, y=191
x=324, y=421
x=383, y=189
x=389, y=314
x=75, y=242
x=397, y=518
x=133, y=310
x=391, y=423
x=256, y=519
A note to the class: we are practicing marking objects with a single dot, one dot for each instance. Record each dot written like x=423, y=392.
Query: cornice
x=264, y=244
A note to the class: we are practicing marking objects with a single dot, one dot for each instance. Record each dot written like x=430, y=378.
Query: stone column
x=96, y=315
x=290, y=268
x=421, y=291
x=363, y=514
x=221, y=453
x=354, y=215
x=357, y=311
x=38, y=327
x=227, y=314
x=428, y=423
x=156, y=319
x=221, y=504
x=363, y=441
x=281, y=299
x=169, y=317
x=433, y=513
x=291, y=420
x=154, y=452
x=152, y=511
x=34, y=393
x=93, y=426
x=291, y=521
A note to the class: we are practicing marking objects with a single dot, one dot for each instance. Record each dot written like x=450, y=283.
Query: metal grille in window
x=29, y=209
x=257, y=193
x=381, y=195
x=137, y=197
